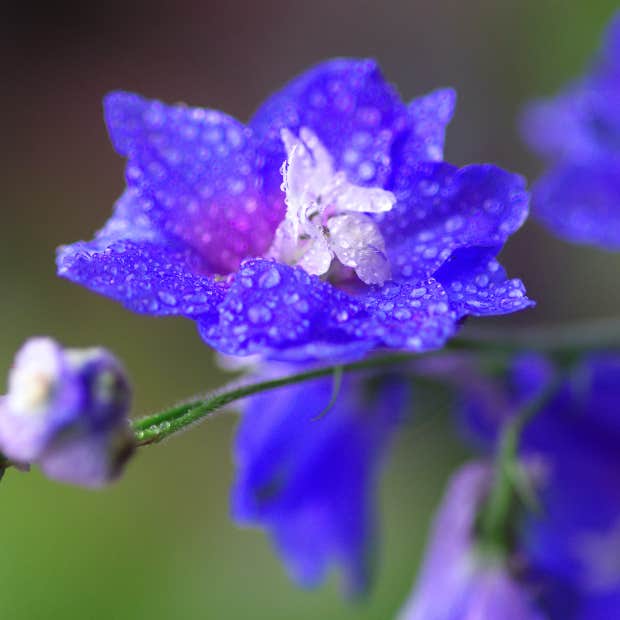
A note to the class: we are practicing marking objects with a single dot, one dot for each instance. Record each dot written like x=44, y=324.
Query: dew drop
x=259, y=314
x=168, y=298
x=270, y=278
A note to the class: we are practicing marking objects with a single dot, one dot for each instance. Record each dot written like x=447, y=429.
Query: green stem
x=564, y=341
x=495, y=519
x=155, y=428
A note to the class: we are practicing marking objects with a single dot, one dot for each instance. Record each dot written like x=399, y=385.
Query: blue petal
x=199, y=171
x=442, y=208
x=132, y=262
x=578, y=435
x=285, y=313
x=581, y=203
x=428, y=117
x=575, y=441
x=347, y=103
x=412, y=316
x=476, y=284
x=455, y=581
x=309, y=482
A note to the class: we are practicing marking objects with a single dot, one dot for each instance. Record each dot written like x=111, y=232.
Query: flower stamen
x=327, y=217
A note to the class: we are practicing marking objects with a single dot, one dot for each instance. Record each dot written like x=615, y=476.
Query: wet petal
x=199, y=171
x=349, y=106
x=135, y=264
x=444, y=208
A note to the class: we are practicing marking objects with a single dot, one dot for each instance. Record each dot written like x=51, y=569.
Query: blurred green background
x=160, y=544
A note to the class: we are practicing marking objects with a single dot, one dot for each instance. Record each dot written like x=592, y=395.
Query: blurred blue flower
x=457, y=581
x=66, y=410
x=310, y=481
x=578, y=132
x=328, y=226
x=573, y=546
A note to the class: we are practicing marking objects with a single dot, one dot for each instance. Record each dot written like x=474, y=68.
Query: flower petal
x=135, y=264
x=442, y=208
x=310, y=482
x=286, y=314
x=428, y=118
x=477, y=284
x=581, y=202
x=199, y=171
x=350, y=107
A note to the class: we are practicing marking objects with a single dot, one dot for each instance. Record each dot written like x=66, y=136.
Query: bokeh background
x=160, y=544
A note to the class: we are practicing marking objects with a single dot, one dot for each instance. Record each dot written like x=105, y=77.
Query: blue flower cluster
x=578, y=131
x=572, y=546
x=329, y=226
x=310, y=484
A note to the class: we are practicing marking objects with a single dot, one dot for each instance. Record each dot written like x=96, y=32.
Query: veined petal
x=199, y=171
x=349, y=106
x=135, y=264
x=443, y=208
x=428, y=118
x=477, y=284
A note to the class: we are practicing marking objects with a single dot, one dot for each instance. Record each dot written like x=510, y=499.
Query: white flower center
x=326, y=216
x=32, y=381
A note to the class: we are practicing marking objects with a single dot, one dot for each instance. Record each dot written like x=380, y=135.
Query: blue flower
x=328, y=226
x=309, y=480
x=578, y=132
x=66, y=410
x=573, y=546
x=457, y=581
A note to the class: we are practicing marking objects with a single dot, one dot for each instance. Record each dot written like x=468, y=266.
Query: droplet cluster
x=275, y=306
x=148, y=278
x=198, y=170
x=417, y=317
x=478, y=285
x=350, y=107
x=204, y=199
x=428, y=117
x=444, y=208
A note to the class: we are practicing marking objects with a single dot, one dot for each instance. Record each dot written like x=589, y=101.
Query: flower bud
x=66, y=410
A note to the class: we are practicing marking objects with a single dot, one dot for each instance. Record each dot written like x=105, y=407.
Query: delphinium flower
x=578, y=132
x=572, y=545
x=459, y=580
x=308, y=477
x=66, y=410
x=328, y=226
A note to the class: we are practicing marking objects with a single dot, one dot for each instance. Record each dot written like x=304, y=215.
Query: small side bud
x=66, y=410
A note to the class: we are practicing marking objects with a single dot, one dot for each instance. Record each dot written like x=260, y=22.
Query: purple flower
x=578, y=132
x=573, y=545
x=328, y=226
x=66, y=411
x=309, y=480
x=457, y=581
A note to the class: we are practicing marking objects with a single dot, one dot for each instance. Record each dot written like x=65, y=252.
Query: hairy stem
x=153, y=429
x=561, y=342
